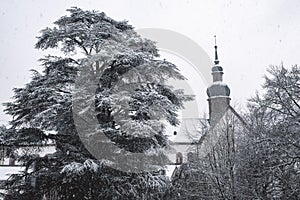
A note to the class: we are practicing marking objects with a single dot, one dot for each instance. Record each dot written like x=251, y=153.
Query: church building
x=214, y=140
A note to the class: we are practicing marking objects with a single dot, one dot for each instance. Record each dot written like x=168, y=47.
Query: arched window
x=179, y=158
x=190, y=157
x=11, y=161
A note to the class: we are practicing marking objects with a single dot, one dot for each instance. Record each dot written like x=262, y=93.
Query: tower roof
x=216, y=67
x=218, y=88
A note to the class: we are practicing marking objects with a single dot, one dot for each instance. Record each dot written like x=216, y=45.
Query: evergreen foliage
x=131, y=100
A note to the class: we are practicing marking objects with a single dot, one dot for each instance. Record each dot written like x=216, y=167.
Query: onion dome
x=218, y=88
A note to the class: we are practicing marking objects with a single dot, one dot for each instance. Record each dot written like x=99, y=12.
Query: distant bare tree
x=274, y=171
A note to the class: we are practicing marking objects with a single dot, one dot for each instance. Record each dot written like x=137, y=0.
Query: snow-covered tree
x=274, y=155
x=129, y=99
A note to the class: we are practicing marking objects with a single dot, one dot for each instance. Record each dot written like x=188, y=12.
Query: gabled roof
x=246, y=125
x=229, y=108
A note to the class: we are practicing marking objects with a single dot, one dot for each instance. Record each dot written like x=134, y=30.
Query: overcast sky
x=251, y=34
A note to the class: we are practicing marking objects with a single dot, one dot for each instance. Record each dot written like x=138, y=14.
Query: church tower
x=218, y=92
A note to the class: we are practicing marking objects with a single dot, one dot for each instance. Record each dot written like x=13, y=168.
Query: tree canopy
x=129, y=97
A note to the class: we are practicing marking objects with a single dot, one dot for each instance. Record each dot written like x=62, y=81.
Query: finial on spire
x=216, y=52
x=215, y=40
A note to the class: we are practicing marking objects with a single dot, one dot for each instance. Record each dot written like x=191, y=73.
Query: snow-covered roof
x=6, y=171
x=191, y=129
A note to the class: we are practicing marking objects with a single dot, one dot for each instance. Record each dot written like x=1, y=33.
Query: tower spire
x=218, y=92
x=216, y=52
